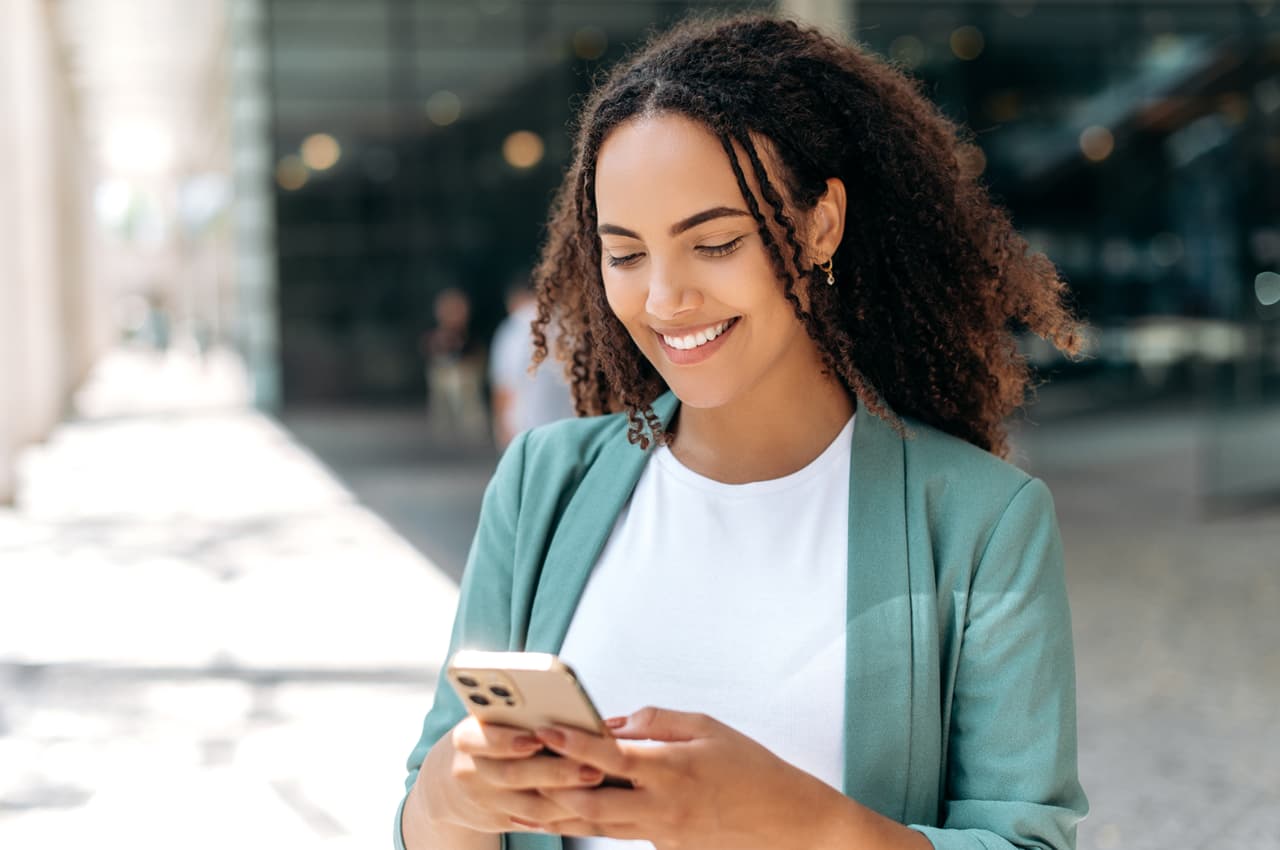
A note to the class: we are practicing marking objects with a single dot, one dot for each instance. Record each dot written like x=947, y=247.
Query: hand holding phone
x=486, y=778
x=525, y=690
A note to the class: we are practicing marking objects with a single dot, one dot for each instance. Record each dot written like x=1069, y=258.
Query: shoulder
x=577, y=441
x=961, y=485
x=562, y=451
x=933, y=453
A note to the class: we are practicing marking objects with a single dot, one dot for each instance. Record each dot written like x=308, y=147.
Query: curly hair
x=932, y=279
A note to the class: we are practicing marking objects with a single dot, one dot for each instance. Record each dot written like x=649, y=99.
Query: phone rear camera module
x=499, y=691
x=479, y=700
x=468, y=681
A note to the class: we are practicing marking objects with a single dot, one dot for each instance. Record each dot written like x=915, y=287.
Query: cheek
x=613, y=296
x=625, y=298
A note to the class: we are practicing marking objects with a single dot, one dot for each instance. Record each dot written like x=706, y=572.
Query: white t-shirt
x=725, y=599
x=538, y=398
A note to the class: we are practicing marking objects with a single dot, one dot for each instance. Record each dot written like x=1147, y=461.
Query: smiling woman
x=689, y=290
x=932, y=274
x=787, y=315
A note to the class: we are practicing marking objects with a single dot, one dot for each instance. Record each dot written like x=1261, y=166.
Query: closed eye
x=628, y=260
x=722, y=249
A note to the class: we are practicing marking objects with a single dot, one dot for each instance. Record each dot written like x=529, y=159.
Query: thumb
x=660, y=724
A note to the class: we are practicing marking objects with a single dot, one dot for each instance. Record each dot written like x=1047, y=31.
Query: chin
x=700, y=394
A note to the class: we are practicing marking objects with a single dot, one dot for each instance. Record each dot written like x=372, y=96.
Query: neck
x=765, y=434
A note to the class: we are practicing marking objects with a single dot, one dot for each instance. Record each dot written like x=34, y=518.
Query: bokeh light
x=443, y=108
x=321, y=151
x=523, y=149
x=292, y=173
x=141, y=147
x=967, y=43
x=1004, y=106
x=1266, y=286
x=1097, y=143
x=590, y=42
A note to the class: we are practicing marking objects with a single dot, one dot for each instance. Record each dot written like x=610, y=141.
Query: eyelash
x=722, y=250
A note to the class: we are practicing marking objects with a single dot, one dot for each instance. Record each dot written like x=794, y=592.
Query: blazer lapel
x=879, y=634
x=580, y=536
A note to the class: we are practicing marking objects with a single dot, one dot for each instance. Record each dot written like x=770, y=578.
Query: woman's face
x=686, y=271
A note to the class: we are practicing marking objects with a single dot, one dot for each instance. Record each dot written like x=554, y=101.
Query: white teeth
x=684, y=343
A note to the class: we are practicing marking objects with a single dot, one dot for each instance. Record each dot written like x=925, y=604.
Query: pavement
x=219, y=629
x=205, y=639
x=1176, y=618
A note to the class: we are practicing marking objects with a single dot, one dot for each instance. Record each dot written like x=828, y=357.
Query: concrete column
x=45, y=339
x=253, y=175
x=84, y=314
x=35, y=103
x=30, y=326
x=10, y=302
x=836, y=16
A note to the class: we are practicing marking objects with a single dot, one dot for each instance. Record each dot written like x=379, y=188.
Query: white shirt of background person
x=522, y=401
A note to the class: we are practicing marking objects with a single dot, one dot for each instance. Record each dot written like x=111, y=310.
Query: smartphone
x=526, y=690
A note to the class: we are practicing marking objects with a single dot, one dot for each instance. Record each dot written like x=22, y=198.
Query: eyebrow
x=680, y=226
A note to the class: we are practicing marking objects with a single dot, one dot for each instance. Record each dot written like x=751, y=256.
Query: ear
x=826, y=222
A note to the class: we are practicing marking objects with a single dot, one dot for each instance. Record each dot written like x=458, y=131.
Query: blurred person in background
x=156, y=322
x=784, y=552
x=455, y=405
x=522, y=400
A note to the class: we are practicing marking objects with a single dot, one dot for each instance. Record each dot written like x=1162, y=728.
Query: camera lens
x=499, y=691
x=468, y=681
x=479, y=700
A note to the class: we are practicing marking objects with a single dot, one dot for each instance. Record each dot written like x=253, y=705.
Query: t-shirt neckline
x=838, y=447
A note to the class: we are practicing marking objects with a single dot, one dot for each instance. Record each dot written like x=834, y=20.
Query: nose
x=670, y=294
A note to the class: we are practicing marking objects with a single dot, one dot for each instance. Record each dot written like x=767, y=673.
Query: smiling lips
x=702, y=337
x=686, y=349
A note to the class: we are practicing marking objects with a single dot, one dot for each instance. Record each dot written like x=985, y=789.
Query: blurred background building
x=283, y=199
x=299, y=179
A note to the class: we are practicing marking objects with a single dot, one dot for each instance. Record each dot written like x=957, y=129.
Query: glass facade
x=1136, y=144
x=418, y=144
x=451, y=124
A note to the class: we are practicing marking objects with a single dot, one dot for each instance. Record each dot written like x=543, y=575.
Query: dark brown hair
x=931, y=277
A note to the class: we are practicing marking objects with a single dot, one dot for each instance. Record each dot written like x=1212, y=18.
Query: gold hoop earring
x=827, y=267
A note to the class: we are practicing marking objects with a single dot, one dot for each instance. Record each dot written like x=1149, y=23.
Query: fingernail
x=525, y=823
x=590, y=774
x=526, y=742
x=554, y=737
x=616, y=722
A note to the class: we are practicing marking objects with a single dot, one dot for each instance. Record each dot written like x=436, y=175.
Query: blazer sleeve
x=483, y=618
x=1011, y=774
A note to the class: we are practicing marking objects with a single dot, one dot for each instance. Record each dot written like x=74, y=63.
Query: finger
x=493, y=741
x=522, y=825
x=605, y=806
x=537, y=772
x=662, y=724
x=587, y=829
x=529, y=810
x=616, y=758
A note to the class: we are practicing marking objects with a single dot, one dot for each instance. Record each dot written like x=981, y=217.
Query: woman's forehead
x=665, y=161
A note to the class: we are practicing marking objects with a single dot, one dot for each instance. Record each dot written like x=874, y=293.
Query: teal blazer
x=960, y=713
